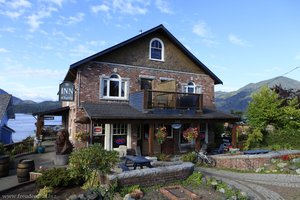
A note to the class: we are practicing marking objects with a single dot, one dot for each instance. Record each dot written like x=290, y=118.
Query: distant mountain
x=239, y=100
x=29, y=106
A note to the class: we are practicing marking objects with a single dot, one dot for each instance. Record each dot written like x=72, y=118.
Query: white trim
x=107, y=139
x=129, y=136
x=120, y=80
x=147, y=77
x=162, y=50
x=206, y=133
x=166, y=79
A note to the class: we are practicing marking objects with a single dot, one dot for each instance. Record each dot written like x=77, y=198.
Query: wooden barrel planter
x=4, y=165
x=24, y=167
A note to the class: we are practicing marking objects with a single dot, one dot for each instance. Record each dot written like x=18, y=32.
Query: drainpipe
x=78, y=90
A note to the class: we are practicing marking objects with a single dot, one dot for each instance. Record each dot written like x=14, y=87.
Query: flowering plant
x=190, y=134
x=81, y=136
x=161, y=134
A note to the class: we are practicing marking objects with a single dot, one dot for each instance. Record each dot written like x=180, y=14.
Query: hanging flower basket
x=161, y=134
x=81, y=136
x=190, y=134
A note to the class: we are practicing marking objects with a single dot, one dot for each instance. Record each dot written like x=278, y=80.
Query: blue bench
x=124, y=167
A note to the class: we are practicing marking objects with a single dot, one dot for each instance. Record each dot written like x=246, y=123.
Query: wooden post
x=39, y=126
x=233, y=136
x=198, y=140
x=151, y=140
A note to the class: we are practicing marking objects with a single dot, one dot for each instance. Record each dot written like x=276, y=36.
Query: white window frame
x=162, y=50
x=197, y=89
x=108, y=79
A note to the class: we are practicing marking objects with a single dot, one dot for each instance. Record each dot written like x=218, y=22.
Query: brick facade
x=130, y=60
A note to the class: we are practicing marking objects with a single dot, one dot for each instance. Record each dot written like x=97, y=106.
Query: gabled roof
x=6, y=105
x=157, y=28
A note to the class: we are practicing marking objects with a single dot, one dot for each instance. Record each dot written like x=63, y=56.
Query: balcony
x=153, y=99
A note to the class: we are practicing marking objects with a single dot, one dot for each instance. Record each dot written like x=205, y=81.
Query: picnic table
x=137, y=161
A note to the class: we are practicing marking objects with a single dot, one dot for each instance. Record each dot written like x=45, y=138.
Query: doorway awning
x=56, y=112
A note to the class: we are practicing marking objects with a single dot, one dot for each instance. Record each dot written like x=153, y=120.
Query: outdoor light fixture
x=176, y=126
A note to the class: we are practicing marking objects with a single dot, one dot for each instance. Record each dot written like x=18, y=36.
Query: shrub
x=84, y=161
x=44, y=193
x=163, y=157
x=57, y=177
x=189, y=157
x=194, y=180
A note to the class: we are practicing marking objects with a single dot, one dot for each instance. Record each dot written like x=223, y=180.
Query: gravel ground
x=260, y=186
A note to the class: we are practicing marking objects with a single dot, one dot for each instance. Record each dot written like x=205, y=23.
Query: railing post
x=146, y=96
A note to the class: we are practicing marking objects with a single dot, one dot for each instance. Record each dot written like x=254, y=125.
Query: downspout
x=78, y=90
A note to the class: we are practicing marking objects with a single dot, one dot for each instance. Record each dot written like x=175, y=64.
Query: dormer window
x=114, y=87
x=156, y=49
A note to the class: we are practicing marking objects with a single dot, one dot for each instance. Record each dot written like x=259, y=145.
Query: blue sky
x=240, y=41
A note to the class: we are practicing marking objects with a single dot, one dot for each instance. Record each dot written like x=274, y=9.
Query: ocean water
x=24, y=125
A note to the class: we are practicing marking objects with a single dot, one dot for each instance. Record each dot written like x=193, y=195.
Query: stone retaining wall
x=249, y=162
x=154, y=176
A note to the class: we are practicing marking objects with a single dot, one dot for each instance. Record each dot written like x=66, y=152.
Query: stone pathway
x=45, y=160
x=259, y=186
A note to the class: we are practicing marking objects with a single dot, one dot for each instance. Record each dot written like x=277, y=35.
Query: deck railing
x=172, y=100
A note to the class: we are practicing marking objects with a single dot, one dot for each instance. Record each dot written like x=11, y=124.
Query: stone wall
x=249, y=162
x=154, y=176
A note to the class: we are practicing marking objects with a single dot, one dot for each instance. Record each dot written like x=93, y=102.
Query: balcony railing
x=172, y=100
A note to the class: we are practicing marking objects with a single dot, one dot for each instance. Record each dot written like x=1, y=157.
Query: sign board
x=66, y=91
x=48, y=117
x=97, y=130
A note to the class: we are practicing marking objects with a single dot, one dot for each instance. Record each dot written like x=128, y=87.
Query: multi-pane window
x=192, y=88
x=156, y=49
x=119, y=132
x=114, y=87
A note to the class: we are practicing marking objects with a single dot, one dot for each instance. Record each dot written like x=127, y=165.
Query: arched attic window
x=156, y=49
x=191, y=87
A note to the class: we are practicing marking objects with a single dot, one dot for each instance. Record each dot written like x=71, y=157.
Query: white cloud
x=30, y=72
x=163, y=6
x=297, y=57
x=72, y=20
x=17, y=4
x=81, y=51
x=56, y=2
x=8, y=29
x=35, y=20
x=201, y=30
x=3, y=50
x=204, y=32
x=98, y=8
x=63, y=36
x=236, y=40
x=12, y=14
x=131, y=7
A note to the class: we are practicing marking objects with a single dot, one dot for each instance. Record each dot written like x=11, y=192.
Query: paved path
x=45, y=159
x=259, y=186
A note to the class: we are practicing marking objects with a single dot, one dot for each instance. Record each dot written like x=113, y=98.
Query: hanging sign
x=98, y=130
x=66, y=91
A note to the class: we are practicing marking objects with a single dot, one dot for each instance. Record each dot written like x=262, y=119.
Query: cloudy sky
x=240, y=41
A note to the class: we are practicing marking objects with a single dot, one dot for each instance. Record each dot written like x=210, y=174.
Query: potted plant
x=190, y=134
x=161, y=134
